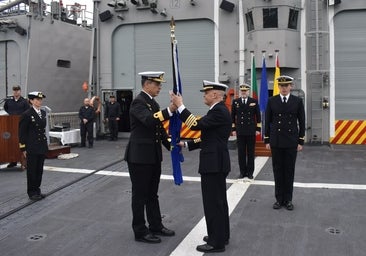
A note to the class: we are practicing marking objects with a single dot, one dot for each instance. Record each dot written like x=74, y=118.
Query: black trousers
x=145, y=185
x=35, y=164
x=246, y=147
x=213, y=186
x=86, y=132
x=283, y=163
x=113, y=127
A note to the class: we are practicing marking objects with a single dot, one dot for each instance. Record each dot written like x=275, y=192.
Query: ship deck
x=88, y=207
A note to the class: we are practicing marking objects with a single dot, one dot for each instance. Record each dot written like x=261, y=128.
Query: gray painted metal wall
x=32, y=61
x=144, y=47
x=350, y=68
x=317, y=70
x=202, y=55
x=10, y=66
x=304, y=51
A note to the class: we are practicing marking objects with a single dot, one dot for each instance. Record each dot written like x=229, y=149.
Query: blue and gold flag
x=175, y=124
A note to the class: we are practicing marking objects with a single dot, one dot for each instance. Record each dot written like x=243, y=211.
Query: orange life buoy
x=96, y=103
x=229, y=98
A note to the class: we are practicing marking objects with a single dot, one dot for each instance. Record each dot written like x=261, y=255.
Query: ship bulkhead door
x=9, y=67
x=124, y=98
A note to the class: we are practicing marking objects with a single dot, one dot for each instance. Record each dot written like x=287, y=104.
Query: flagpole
x=175, y=124
x=263, y=96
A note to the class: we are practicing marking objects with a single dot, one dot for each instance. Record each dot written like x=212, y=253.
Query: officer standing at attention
x=284, y=135
x=214, y=164
x=144, y=156
x=33, y=143
x=246, y=124
x=86, y=116
x=16, y=105
x=112, y=116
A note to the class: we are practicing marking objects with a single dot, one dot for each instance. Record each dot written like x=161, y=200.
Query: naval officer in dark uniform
x=144, y=156
x=284, y=135
x=16, y=105
x=87, y=117
x=246, y=124
x=112, y=116
x=33, y=143
x=214, y=164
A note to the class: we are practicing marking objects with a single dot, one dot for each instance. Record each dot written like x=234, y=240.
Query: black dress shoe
x=205, y=238
x=208, y=248
x=289, y=206
x=241, y=176
x=35, y=197
x=43, y=195
x=163, y=232
x=250, y=177
x=11, y=165
x=148, y=238
x=277, y=205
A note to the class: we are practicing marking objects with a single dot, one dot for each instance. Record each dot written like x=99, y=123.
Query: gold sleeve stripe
x=21, y=145
x=197, y=140
x=233, y=125
x=266, y=137
x=259, y=125
x=191, y=121
x=159, y=115
x=302, y=138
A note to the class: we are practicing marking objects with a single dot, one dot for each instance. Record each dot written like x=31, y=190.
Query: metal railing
x=70, y=119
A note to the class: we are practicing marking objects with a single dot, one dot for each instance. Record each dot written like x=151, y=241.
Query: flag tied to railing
x=175, y=124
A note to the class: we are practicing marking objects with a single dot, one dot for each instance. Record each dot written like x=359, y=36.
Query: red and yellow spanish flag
x=276, y=74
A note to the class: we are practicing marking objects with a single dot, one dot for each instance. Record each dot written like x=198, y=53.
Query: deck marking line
x=198, y=179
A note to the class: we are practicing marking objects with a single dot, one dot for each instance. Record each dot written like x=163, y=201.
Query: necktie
x=243, y=100
x=284, y=99
x=40, y=114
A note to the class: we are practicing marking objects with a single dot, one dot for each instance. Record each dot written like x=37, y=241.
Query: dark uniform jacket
x=87, y=113
x=147, y=131
x=32, y=134
x=215, y=129
x=246, y=118
x=285, y=122
x=13, y=107
x=112, y=111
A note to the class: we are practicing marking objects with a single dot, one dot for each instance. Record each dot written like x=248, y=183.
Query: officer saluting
x=284, y=135
x=246, y=124
x=33, y=143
